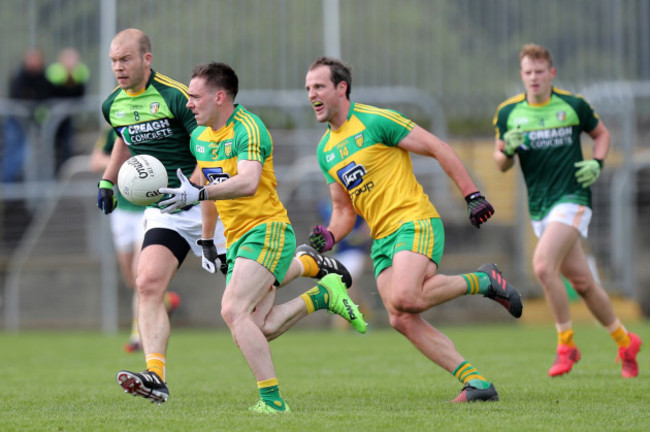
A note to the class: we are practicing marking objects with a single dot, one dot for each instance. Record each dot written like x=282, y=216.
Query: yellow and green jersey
x=243, y=137
x=156, y=122
x=551, y=146
x=363, y=156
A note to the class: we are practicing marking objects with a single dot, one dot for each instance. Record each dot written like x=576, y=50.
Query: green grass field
x=333, y=381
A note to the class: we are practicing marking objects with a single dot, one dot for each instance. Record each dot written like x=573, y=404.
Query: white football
x=139, y=179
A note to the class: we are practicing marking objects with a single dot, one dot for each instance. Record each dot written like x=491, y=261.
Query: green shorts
x=423, y=236
x=271, y=244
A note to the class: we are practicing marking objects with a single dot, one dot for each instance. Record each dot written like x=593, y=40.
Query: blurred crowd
x=35, y=85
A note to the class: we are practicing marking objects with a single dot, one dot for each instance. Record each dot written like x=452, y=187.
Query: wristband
x=472, y=196
x=105, y=184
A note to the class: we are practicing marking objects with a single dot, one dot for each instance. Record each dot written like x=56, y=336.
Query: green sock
x=467, y=374
x=477, y=283
x=319, y=297
x=271, y=396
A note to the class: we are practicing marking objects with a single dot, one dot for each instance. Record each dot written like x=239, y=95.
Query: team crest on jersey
x=154, y=107
x=358, y=140
x=561, y=115
x=227, y=149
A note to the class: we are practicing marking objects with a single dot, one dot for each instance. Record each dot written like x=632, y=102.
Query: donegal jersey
x=155, y=122
x=551, y=147
x=243, y=137
x=363, y=156
x=106, y=146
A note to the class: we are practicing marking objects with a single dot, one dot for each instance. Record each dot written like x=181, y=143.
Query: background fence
x=447, y=64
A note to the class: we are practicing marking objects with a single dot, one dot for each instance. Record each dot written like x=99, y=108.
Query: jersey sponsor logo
x=147, y=131
x=215, y=175
x=351, y=175
x=548, y=138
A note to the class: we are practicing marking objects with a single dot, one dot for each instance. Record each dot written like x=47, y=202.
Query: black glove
x=224, y=264
x=106, y=199
x=479, y=209
x=210, y=259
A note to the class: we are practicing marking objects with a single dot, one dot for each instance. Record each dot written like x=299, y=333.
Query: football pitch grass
x=332, y=380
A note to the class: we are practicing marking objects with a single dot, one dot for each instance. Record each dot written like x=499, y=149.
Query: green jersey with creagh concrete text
x=155, y=121
x=551, y=146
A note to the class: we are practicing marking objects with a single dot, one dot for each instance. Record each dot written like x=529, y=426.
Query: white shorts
x=127, y=228
x=575, y=215
x=187, y=223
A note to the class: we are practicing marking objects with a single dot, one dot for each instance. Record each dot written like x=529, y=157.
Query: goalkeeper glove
x=513, y=138
x=588, y=171
x=106, y=199
x=182, y=196
x=479, y=209
x=321, y=238
x=210, y=259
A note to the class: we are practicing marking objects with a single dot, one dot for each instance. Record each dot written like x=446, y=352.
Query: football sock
x=316, y=298
x=270, y=394
x=310, y=267
x=477, y=283
x=156, y=363
x=467, y=374
x=619, y=334
x=565, y=337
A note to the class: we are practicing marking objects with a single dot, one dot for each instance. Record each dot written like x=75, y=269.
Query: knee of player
x=582, y=284
x=401, y=321
x=543, y=271
x=404, y=302
x=150, y=286
x=232, y=314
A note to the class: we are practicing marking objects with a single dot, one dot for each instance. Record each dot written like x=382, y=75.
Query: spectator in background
x=68, y=77
x=127, y=228
x=28, y=84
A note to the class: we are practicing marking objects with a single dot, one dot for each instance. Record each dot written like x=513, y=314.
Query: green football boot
x=263, y=408
x=340, y=303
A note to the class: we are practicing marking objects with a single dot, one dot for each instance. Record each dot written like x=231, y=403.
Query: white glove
x=187, y=194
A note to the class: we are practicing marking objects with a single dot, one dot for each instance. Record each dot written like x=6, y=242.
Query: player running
x=234, y=151
x=542, y=127
x=365, y=158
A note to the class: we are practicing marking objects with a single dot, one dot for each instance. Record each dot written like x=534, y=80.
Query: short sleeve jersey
x=243, y=137
x=363, y=156
x=106, y=145
x=156, y=122
x=551, y=147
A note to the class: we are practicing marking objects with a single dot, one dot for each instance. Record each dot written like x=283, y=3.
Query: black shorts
x=168, y=238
